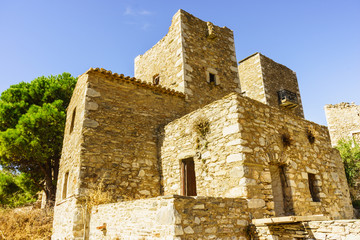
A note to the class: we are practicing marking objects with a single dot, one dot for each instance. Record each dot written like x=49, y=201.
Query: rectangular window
x=65, y=185
x=72, y=120
x=314, y=189
x=188, y=179
x=212, y=78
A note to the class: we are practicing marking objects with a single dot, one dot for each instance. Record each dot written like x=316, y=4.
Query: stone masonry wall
x=242, y=144
x=64, y=211
x=186, y=56
x=271, y=139
x=321, y=230
x=343, y=121
x=171, y=217
x=261, y=78
x=208, y=49
x=165, y=59
x=120, y=139
x=251, y=78
x=107, y=148
x=277, y=77
x=216, y=174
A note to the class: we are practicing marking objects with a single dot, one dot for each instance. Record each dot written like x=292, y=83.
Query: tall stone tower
x=271, y=83
x=195, y=57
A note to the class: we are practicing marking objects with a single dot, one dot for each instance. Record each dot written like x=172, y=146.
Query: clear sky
x=318, y=39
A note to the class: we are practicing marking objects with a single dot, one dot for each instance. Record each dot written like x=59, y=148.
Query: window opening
x=188, y=179
x=64, y=192
x=212, y=78
x=156, y=79
x=72, y=120
x=314, y=190
x=281, y=191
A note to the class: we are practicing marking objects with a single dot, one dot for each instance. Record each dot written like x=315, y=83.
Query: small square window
x=212, y=78
x=156, y=79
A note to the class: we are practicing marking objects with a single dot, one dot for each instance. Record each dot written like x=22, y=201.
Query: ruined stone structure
x=185, y=154
x=343, y=121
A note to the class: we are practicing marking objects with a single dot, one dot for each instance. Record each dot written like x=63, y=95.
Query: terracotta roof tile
x=138, y=82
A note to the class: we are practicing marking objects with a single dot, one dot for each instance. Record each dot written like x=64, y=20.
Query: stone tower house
x=271, y=83
x=343, y=121
x=184, y=154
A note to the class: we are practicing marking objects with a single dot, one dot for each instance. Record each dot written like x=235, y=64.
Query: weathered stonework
x=261, y=78
x=186, y=56
x=243, y=143
x=321, y=230
x=183, y=127
x=171, y=217
x=343, y=121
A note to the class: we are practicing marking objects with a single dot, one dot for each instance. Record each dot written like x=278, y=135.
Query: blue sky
x=318, y=39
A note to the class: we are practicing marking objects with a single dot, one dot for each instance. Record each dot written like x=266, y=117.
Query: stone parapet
x=171, y=217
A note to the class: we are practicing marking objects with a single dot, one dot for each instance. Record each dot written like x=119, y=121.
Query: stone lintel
x=288, y=219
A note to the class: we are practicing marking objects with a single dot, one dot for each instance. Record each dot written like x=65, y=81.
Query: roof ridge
x=136, y=81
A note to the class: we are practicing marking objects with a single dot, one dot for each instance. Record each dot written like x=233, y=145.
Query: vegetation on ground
x=32, y=121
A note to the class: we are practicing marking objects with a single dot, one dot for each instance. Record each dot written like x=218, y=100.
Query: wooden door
x=188, y=179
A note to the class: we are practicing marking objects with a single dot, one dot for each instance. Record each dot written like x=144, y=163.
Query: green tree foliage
x=16, y=189
x=32, y=121
x=350, y=153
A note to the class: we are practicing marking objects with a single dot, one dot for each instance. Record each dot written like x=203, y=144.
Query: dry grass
x=99, y=196
x=25, y=223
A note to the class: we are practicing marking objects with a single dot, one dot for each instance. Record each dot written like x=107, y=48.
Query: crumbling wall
x=165, y=59
x=343, y=121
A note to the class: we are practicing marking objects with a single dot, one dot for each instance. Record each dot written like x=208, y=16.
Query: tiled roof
x=138, y=82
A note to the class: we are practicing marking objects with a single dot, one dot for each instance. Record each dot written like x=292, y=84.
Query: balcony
x=287, y=99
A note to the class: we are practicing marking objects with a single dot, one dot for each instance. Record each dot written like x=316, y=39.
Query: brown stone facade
x=183, y=127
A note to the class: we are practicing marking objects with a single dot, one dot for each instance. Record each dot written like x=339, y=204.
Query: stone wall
x=251, y=78
x=66, y=202
x=321, y=230
x=165, y=59
x=171, y=217
x=120, y=139
x=208, y=49
x=186, y=56
x=113, y=144
x=243, y=143
x=261, y=78
x=343, y=121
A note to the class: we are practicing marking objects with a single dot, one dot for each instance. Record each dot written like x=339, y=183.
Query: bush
x=350, y=153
